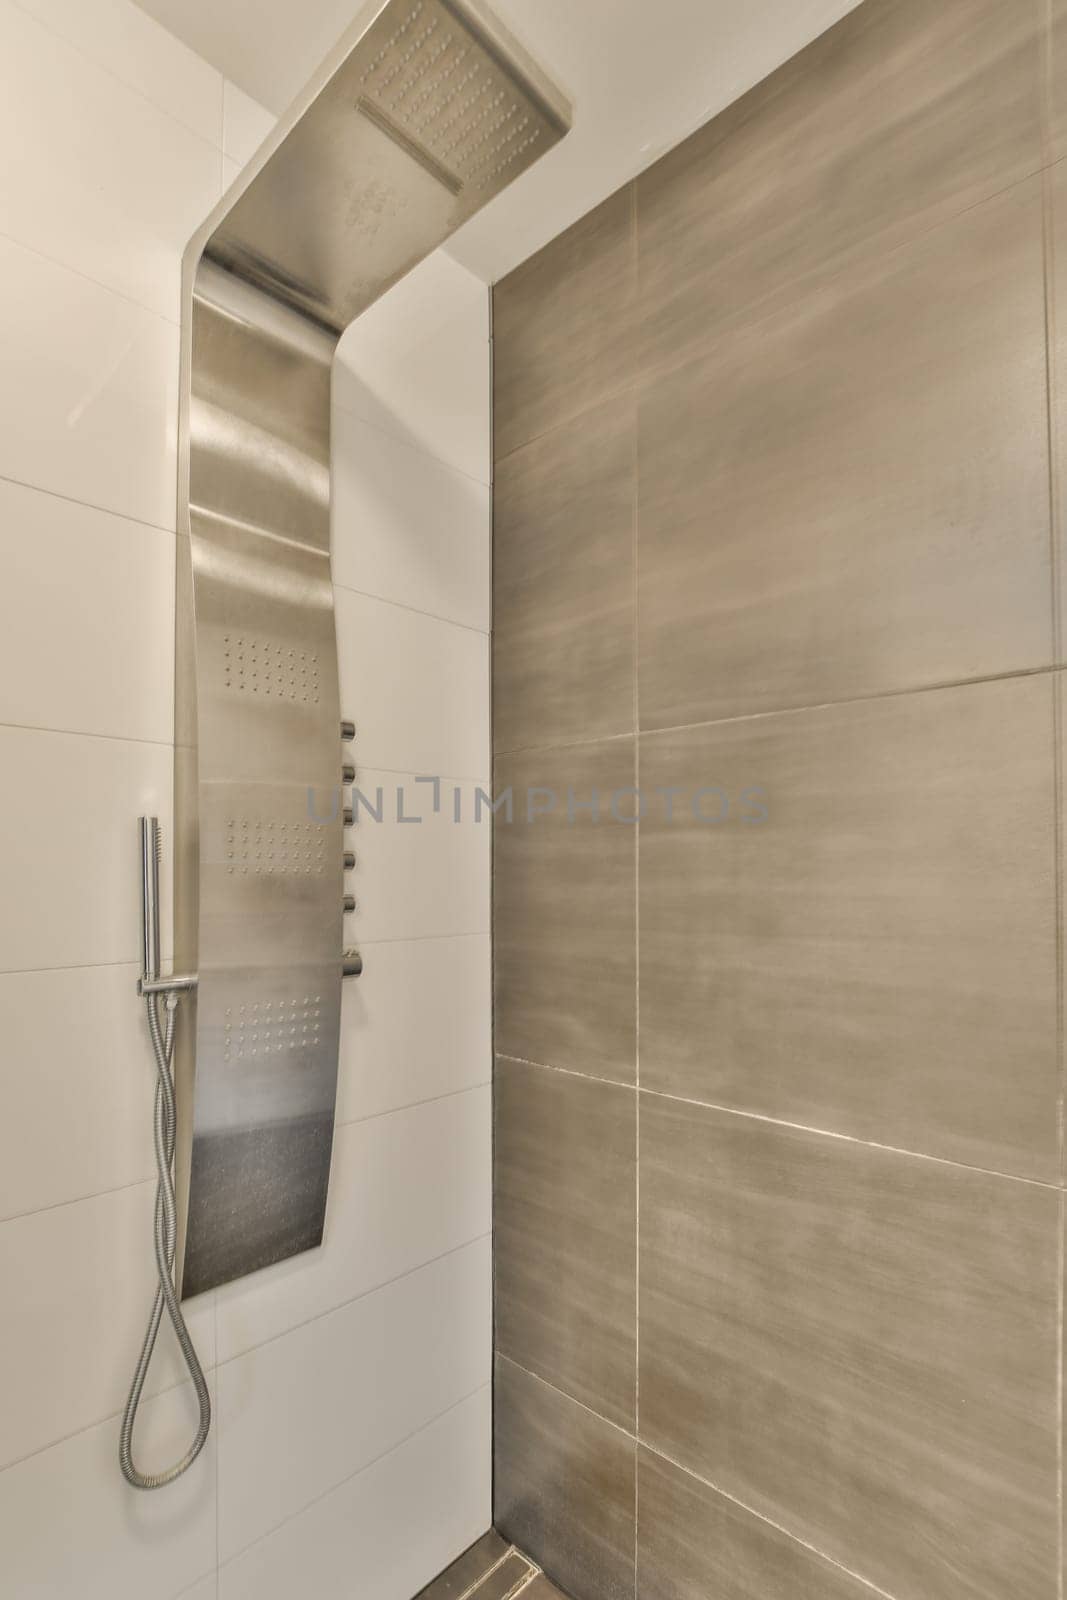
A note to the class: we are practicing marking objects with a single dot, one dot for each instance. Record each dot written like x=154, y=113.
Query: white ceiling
x=640, y=73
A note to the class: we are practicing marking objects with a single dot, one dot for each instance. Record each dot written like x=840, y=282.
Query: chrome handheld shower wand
x=161, y=992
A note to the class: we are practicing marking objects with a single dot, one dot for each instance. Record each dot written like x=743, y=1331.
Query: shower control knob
x=348, y=731
x=350, y=861
x=348, y=774
x=349, y=902
x=348, y=817
x=351, y=964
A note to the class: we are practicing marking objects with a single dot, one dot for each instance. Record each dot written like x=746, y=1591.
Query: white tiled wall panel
x=420, y=687
x=388, y=1531
x=245, y=125
x=420, y=879
x=84, y=586
x=70, y=869
x=73, y=1529
x=92, y=174
x=78, y=1286
x=417, y=364
x=88, y=391
x=408, y=528
x=417, y=1025
x=78, y=1089
x=347, y=1388
x=404, y=1189
x=352, y=1411
x=131, y=46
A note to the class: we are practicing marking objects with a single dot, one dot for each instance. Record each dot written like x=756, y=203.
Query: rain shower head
x=416, y=121
x=408, y=132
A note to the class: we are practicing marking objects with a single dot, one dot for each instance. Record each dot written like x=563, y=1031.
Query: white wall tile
x=417, y=688
x=88, y=591
x=417, y=364
x=404, y=1189
x=74, y=1530
x=245, y=124
x=118, y=36
x=408, y=528
x=78, y=1287
x=417, y=880
x=89, y=392
x=92, y=174
x=76, y=1101
x=417, y=1025
x=70, y=867
x=386, y=1532
x=298, y=1416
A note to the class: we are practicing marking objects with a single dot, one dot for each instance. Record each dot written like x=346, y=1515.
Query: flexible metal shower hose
x=165, y=1238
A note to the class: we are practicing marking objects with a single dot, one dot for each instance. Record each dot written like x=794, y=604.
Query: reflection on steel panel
x=417, y=120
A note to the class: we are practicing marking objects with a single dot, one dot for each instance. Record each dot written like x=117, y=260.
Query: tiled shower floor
x=492, y=1569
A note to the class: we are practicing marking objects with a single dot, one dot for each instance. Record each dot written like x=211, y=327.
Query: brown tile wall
x=779, y=1174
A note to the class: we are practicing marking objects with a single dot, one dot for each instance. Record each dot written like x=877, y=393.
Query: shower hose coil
x=161, y=1033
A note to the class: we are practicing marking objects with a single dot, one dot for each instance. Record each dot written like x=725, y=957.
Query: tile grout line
x=1048, y=669
x=1055, y=531
x=351, y=1477
x=79, y=733
x=85, y=277
x=781, y=1122
x=414, y=611
x=215, y=1368
x=482, y=1577
x=770, y=1523
x=635, y=590
x=147, y=99
x=793, y=294
x=141, y=1183
x=707, y=1482
x=402, y=439
x=89, y=505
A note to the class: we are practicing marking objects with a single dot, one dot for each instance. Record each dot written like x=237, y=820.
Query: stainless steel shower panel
x=419, y=118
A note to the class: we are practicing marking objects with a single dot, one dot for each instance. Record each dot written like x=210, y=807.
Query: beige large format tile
x=563, y=1487
x=857, y=1344
x=565, y=1216
x=693, y=1542
x=853, y=497
x=564, y=910
x=899, y=116
x=1058, y=293
x=1057, y=129
x=877, y=958
x=563, y=326
x=563, y=599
